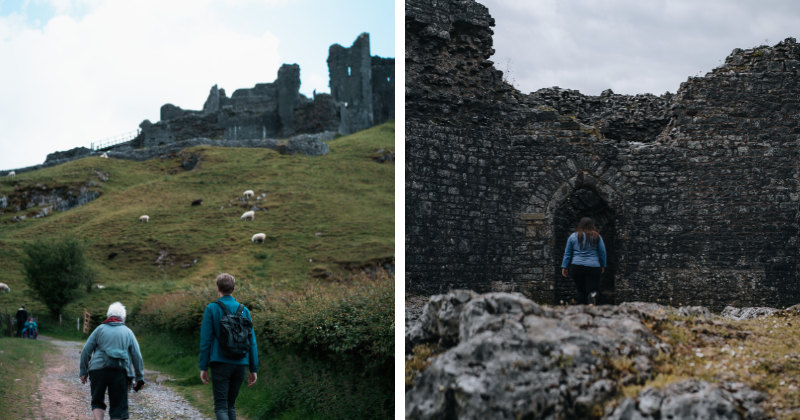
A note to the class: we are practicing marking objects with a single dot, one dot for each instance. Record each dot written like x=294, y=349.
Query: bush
x=55, y=271
x=328, y=350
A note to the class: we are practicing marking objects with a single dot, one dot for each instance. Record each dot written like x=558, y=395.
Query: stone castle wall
x=278, y=110
x=697, y=191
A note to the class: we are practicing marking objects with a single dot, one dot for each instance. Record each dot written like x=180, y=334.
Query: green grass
x=20, y=359
x=345, y=196
x=178, y=357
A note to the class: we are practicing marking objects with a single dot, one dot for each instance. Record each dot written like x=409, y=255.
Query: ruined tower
x=351, y=83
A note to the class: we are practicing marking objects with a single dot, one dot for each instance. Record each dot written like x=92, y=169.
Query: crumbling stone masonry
x=279, y=110
x=696, y=193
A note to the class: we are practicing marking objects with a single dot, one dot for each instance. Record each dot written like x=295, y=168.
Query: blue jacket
x=107, y=337
x=589, y=257
x=209, y=331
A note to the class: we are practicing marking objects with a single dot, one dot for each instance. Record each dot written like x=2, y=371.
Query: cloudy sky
x=73, y=72
x=629, y=46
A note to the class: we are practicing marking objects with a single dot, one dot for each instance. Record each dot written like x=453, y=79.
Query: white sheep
x=12, y=174
x=4, y=287
x=248, y=194
x=104, y=156
x=259, y=237
x=145, y=219
x=250, y=215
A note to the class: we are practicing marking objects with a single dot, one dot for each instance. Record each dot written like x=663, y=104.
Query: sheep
x=4, y=287
x=248, y=194
x=145, y=219
x=259, y=237
x=197, y=202
x=250, y=215
x=104, y=155
x=12, y=174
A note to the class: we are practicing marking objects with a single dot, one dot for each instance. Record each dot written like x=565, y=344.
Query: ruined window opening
x=584, y=203
x=348, y=70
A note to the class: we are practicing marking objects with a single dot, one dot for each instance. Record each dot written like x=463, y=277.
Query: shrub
x=326, y=350
x=55, y=271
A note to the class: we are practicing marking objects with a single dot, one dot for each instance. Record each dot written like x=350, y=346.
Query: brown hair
x=586, y=229
x=225, y=283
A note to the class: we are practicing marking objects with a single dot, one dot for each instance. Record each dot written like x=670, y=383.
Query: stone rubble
x=508, y=357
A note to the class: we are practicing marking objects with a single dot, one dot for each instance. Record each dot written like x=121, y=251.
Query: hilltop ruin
x=696, y=193
x=279, y=110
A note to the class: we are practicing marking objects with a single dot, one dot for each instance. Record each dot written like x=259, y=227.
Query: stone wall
x=699, y=189
x=382, y=89
x=278, y=110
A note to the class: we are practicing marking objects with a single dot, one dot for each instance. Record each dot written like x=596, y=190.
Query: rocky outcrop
x=508, y=357
x=306, y=145
x=71, y=154
x=739, y=314
x=693, y=399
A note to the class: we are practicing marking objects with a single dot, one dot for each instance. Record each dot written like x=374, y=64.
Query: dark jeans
x=117, y=383
x=587, y=281
x=19, y=330
x=226, y=379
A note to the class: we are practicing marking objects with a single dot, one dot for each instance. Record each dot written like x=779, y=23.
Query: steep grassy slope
x=324, y=215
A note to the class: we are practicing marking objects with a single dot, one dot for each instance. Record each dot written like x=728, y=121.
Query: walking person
x=227, y=346
x=22, y=316
x=115, y=361
x=587, y=253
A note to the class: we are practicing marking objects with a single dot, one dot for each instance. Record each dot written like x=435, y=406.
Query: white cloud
x=78, y=79
x=630, y=46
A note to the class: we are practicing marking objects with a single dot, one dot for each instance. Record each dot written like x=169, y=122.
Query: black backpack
x=234, y=333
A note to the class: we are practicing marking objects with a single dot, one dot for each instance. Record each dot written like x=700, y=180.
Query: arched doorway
x=584, y=203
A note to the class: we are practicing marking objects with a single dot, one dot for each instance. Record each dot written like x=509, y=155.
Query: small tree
x=55, y=271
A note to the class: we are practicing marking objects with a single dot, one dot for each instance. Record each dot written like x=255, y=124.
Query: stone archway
x=584, y=202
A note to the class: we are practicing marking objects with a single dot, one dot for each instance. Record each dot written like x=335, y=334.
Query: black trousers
x=587, y=281
x=116, y=381
x=226, y=380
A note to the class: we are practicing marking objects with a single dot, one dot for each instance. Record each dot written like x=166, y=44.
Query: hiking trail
x=62, y=395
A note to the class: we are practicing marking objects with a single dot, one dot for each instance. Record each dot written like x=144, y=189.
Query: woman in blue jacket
x=587, y=253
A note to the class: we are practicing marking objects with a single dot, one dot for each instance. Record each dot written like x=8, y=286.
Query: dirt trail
x=64, y=397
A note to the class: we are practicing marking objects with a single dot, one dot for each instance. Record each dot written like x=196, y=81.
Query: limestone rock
x=307, y=145
x=692, y=399
x=739, y=314
x=509, y=357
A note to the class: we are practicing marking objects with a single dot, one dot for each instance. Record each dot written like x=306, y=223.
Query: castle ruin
x=696, y=193
x=278, y=109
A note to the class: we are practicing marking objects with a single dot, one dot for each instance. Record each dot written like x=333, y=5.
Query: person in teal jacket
x=227, y=374
x=110, y=359
x=31, y=329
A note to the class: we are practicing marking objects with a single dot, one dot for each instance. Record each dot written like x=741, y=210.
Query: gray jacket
x=111, y=336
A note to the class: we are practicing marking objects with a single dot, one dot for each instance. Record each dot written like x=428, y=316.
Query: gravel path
x=64, y=397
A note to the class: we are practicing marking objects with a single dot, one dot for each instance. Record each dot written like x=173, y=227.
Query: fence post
x=59, y=320
x=86, y=318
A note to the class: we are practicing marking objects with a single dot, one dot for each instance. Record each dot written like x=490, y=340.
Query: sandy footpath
x=62, y=395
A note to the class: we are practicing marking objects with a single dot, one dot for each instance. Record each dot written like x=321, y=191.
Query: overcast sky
x=73, y=72
x=629, y=46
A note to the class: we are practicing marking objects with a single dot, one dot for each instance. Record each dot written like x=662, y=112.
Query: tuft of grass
x=420, y=359
x=761, y=353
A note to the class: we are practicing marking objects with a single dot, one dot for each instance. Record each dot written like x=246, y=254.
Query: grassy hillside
x=324, y=215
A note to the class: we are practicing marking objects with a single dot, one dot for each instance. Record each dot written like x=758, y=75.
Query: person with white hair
x=115, y=362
